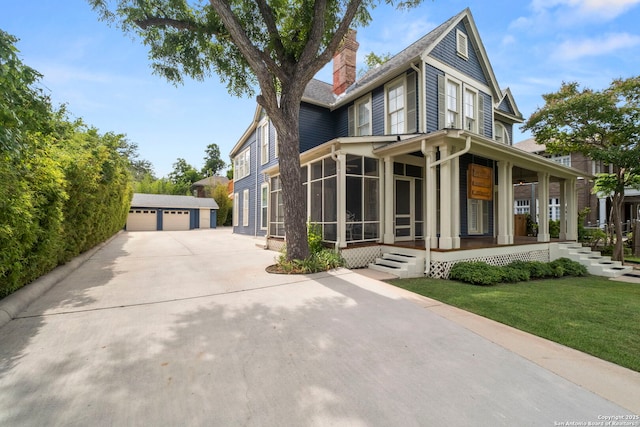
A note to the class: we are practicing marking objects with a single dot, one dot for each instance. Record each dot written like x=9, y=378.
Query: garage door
x=175, y=220
x=142, y=220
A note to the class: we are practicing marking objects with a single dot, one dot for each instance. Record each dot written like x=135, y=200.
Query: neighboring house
x=526, y=194
x=414, y=157
x=204, y=187
x=151, y=212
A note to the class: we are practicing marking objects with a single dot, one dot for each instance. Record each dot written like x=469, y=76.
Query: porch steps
x=596, y=264
x=403, y=263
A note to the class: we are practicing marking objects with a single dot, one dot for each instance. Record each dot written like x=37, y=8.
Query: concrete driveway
x=187, y=328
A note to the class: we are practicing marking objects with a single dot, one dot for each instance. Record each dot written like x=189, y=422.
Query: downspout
x=429, y=165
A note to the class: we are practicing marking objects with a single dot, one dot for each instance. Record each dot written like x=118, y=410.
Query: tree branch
x=272, y=29
x=155, y=21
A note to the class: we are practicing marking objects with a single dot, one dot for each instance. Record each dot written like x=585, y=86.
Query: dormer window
x=500, y=133
x=462, y=44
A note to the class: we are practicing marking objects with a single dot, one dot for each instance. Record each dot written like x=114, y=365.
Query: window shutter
x=441, y=102
x=411, y=104
x=481, y=113
x=352, y=126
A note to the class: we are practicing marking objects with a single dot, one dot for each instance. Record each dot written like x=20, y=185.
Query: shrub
x=476, y=273
x=569, y=267
x=536, y=269
x=320, y=258
x=515, y=273
x=554, y=228
x=314, y=237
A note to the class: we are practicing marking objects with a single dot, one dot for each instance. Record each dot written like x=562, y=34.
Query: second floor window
x=453, y=108
x=395, y=108
x=564, y=160
x=263, y=132
x=470, y=104
x=242, y=164
x=360, y=117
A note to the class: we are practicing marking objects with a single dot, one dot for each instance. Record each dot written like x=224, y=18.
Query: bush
x=512, y=274
x=568, y=267
x=476, y=273
x=320, y=258
x=536, y=269
x=554, y=228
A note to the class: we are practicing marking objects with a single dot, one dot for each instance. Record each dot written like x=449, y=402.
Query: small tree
x=221, y=196
x=602, y=125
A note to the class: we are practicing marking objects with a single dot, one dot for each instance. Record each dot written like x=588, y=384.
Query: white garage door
x=205, y=218
x=175, y=220
x=142, y=220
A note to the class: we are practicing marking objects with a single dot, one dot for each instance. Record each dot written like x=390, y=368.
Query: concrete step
x=597, y=264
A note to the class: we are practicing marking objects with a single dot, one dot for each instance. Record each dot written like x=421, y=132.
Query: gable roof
x=171, y=201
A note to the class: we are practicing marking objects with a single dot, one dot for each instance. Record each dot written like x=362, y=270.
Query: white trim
x=263, y=142
x=236, y=209
x=245, y=207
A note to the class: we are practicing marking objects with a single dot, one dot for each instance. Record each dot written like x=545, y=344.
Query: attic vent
x=462, y=44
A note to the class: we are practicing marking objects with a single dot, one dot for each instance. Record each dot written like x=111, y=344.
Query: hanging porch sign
x=480, y=182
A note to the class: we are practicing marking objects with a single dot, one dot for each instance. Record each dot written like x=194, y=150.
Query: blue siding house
x=415, y=158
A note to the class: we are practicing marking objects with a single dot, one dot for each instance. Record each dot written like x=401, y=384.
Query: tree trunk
x=286, y=121
x=616, y=210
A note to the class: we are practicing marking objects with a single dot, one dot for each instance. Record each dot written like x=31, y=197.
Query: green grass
x=591, y=314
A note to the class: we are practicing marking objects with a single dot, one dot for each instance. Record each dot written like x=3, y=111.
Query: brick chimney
x=344, y=63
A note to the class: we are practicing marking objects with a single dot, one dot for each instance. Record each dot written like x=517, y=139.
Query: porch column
x=446, y=238
x=388, y=201
x=455, y=201
x=564, y=205
x=505, y=203
x=431, y=191
x=572, y=210
x=341, y=199
x=543, y=204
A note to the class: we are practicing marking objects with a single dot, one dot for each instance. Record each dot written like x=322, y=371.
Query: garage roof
x=170, y=201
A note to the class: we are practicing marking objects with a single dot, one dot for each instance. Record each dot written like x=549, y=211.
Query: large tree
x=277, y=45
x=604, y=126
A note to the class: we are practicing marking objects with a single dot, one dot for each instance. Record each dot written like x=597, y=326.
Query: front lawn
x=591, y=314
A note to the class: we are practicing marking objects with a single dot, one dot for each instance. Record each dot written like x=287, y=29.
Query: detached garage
x=151, y=212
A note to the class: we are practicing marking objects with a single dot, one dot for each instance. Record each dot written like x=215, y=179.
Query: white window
x=276, y=148
x=396, y=107
x=242, y=165
x=564, y=160
x=245, y=207
x=236, y=200
x=500, y=133
x=522, y=207
x=554, y=209
x=264, y=206
x=363, y=117
x=470, y=115
x=462, y=44
x=263, y=132
x=477, y=216
x=453, y=106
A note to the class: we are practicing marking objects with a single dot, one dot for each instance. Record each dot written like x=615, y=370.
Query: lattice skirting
x=275, y=244
x=441, y=269
x=361, y=256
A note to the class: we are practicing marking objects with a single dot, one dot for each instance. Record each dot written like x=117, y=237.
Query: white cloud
x=607, y=44
x=598, y=9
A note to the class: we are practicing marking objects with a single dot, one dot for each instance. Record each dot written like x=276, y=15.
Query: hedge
x=483, y=274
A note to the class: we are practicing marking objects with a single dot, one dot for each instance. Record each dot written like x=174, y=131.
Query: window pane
x=415, y=171
x=418, y=197
x=371, y=231
x=371, y=166
x=316, y=201
x=398, y=168
x=329, y=167
x=330, y=232
x=316, y=170
x=303, y=173
x=371, y=198
x=354, y=197
x=330, y=209
x=354, y=165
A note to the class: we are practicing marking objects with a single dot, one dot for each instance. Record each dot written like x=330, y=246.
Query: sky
x=104, y=76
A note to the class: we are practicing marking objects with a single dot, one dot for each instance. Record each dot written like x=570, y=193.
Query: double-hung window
x=363, y=117
x=264, y=206
x=453, y=104
x=245, y=208
x=242, y=164
x=396, y=107
x=263, y=132
x=470, y=110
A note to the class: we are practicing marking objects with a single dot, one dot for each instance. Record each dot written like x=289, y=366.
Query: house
x=204, y=187
x=154, y=212
x=410, y=168
x=526, y=194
